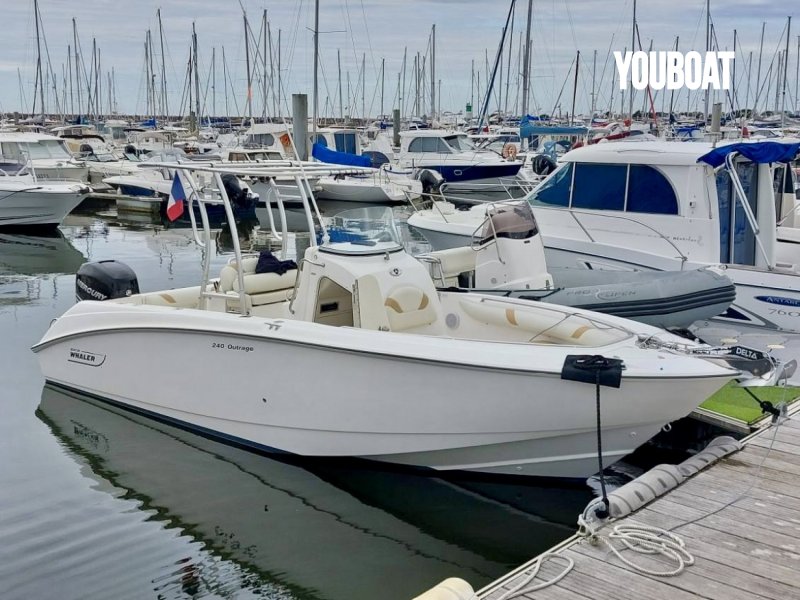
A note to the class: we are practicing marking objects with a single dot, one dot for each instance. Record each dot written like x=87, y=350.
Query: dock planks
x=748, y=549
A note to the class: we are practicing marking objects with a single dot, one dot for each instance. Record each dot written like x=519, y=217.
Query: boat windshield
x=511, y=221
x=366, y=230
x=37, y=150
x=460, y=143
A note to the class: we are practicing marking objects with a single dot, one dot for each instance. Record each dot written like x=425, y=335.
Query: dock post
x=300, y=123
x=396, y=127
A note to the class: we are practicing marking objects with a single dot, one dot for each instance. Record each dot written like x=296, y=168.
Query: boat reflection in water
x=45, y=252
x=326, y=530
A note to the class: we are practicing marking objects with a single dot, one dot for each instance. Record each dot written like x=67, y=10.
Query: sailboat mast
x=672, y=92
x=114, y=90
x=280, y=89
x=225, y=82
x=797, y=78
x=271, y=71
x=77, y=64
x=472, y=86
x=339, y=71
x=69, y=77
x=433, y=71
x=363, y=85
x=526, y=63
x=594, y=74
x=734, y=99
x=154, y=104
x=708, y=49
x=508, y=62
x=214, y=81
x=785, y=72
x=164, y=101
x=196, y=76
x=264, y=64
x=403, y=88
x=247, y=66
x=575, y=88
x=383, y=81
x=316, y=71
x=633, y=49
x=39, y=77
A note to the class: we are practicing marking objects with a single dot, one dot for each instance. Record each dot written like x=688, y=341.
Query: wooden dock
x=747, y=549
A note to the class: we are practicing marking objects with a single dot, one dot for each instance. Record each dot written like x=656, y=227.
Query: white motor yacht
x=47, y=156
x=356, y=354
x=466, y=169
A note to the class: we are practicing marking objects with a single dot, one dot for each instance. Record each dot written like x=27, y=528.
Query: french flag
x=176, y=199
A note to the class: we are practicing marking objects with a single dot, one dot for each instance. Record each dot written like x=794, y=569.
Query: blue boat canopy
x=326, y=155
x=761, y=152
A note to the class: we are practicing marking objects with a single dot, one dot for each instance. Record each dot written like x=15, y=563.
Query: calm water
x=99, y=503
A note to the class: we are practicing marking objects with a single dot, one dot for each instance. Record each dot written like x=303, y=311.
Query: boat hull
x=421, y=406
x=39, y=206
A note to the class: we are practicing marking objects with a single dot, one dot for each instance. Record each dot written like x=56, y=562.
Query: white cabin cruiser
x=465, y=168
x=356, y=354
x=48, y=156
x=671, y=206
x=335, y=148
x=26, y=201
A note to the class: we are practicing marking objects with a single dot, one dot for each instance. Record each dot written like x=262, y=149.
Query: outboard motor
x=104, y=280
x=240, y=196
x=431, y=180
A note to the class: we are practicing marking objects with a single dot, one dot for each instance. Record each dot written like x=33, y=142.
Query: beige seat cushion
x=455, y=261
x=408, y=307
x=265, y=282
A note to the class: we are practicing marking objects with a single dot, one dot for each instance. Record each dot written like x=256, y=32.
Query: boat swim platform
x=739, y=519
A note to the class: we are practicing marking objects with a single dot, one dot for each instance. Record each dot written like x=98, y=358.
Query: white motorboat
x=466, y=169
x=670, y=206
x=356, y=354
x=26, y=201
x=48, y=156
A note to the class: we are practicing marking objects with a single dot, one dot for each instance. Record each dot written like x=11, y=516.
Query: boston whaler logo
x=86, y=358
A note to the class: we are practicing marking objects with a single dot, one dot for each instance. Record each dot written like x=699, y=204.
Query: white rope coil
x=530, y=574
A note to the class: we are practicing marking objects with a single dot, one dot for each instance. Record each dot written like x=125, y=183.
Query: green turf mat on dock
x=734, y=402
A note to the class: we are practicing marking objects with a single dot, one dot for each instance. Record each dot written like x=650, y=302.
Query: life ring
x=510, y=151
x=285, y=139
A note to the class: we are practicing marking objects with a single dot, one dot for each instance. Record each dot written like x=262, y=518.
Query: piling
x=396, y=127
x=300, y=123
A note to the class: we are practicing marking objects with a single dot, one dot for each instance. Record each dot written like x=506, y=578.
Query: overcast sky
x=465, y=31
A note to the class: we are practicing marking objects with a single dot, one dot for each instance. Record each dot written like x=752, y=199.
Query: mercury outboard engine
x=105, y=279
x=431, y=180
x=240, y=196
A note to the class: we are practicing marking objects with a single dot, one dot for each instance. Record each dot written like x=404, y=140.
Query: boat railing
x=574, y=213
x=217, y=195
x=436, y=268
